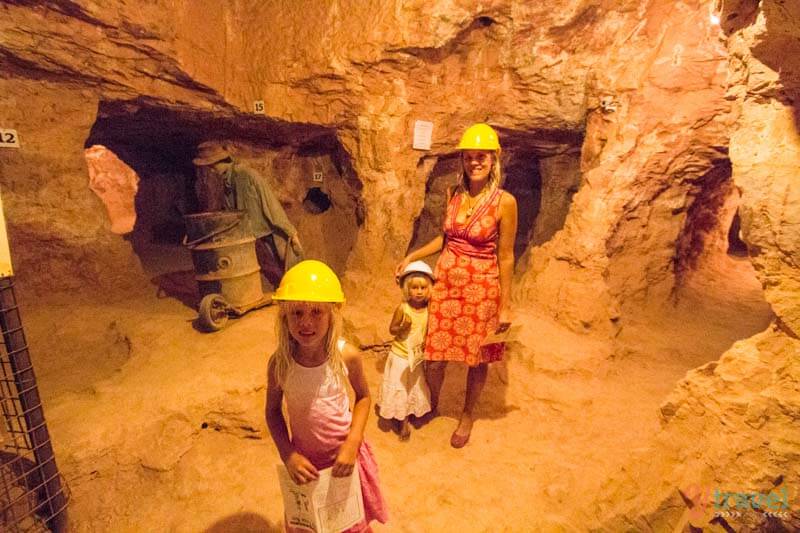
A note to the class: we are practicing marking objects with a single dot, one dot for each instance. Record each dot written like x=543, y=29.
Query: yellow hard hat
x=310, y=281
x=479, y=137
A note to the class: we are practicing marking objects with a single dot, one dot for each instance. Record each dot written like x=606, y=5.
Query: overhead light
x=714, y=11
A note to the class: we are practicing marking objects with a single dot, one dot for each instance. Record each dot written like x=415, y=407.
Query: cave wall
x=637, y=87
x=327, y=213
x=59, y=233
x=657, y=122
x=765, y=145
x=168, y=56
x=732, y=424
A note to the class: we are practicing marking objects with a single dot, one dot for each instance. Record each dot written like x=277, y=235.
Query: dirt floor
x=159, y=427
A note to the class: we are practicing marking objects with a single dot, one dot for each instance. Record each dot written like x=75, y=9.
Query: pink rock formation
x=116, y=184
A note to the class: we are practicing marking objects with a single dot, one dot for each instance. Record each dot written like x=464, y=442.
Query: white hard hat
x=416, y=267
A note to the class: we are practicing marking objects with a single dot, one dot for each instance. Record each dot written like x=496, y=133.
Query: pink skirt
x=374, y=506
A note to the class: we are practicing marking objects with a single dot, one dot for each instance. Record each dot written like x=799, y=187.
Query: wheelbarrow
x=226, y=267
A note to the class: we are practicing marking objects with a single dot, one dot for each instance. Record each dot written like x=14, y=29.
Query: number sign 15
x=9, y=138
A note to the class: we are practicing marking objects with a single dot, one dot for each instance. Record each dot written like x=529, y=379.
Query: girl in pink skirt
x=310, y=370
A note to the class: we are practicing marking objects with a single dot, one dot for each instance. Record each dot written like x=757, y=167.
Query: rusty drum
x=225, y=263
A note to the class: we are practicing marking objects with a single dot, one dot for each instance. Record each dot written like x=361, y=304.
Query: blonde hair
x=408, y=277
x=287, y=348
x=495, y=174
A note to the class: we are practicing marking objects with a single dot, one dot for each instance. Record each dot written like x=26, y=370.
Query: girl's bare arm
x=300, y=468
x=348, y=452
x=399, y=323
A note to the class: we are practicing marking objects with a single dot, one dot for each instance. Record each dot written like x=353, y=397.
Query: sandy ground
x=158, y=427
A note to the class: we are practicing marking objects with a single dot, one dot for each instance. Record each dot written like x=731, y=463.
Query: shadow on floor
x=244, y=523
x=180, y=285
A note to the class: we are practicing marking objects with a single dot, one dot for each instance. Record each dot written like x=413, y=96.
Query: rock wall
x=657, y=124
x=765, y=146
x=59, y=233
x=731, y=426
x=637, y=87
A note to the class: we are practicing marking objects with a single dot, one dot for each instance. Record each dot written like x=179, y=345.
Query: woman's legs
x=434, y=373
x=476, y=379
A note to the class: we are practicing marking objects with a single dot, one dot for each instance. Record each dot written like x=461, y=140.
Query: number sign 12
x=9, y=138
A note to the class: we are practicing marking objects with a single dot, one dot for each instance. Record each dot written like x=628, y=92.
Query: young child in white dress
x=404, y=391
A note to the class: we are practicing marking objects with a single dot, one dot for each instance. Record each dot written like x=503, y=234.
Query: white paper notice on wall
x=9, y=138
x=423, y=132
x=5, y=254
x=258, y=107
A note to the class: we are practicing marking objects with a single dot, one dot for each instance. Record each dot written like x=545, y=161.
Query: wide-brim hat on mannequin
x=209, y=153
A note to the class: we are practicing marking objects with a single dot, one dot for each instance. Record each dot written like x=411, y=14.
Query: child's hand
x=300, y=468
x=345, y=460
x=405, y=324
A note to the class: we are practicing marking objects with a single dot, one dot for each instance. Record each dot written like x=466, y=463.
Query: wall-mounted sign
x=9, y=138
x=5, y=254
x=258, y=107
x=423, y=131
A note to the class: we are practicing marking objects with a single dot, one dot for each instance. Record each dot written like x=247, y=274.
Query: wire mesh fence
x=32, y=495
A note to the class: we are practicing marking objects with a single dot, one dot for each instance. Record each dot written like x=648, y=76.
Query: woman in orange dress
x=471, y=297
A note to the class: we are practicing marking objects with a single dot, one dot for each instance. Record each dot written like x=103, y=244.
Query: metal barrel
x=214, y=226
x=224, y=256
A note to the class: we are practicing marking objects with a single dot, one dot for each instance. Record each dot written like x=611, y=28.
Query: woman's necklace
x=472, y=203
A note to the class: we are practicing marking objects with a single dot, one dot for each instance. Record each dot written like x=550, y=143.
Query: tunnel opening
x=736, y=246
x=443, y=175
x=304, y=165
x=712, y=204
x=316, y=201
x=524, y=181
x=715, y=296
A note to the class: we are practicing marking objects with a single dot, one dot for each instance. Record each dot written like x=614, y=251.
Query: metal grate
x=32, y=497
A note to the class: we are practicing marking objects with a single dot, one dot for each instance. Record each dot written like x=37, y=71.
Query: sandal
x=459, y=441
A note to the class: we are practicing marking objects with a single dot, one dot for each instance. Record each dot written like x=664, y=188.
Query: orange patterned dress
x=465, y=300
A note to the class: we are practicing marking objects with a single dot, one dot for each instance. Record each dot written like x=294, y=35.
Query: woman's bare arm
x=429, y=248
x=505, y=252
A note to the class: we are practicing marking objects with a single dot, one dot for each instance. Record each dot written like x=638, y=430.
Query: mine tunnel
x=147, y=151
x=642, y=374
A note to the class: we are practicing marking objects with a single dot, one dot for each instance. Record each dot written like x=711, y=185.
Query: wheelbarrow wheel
x=213, y=312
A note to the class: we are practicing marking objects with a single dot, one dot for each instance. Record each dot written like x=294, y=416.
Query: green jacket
x=246, y=191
